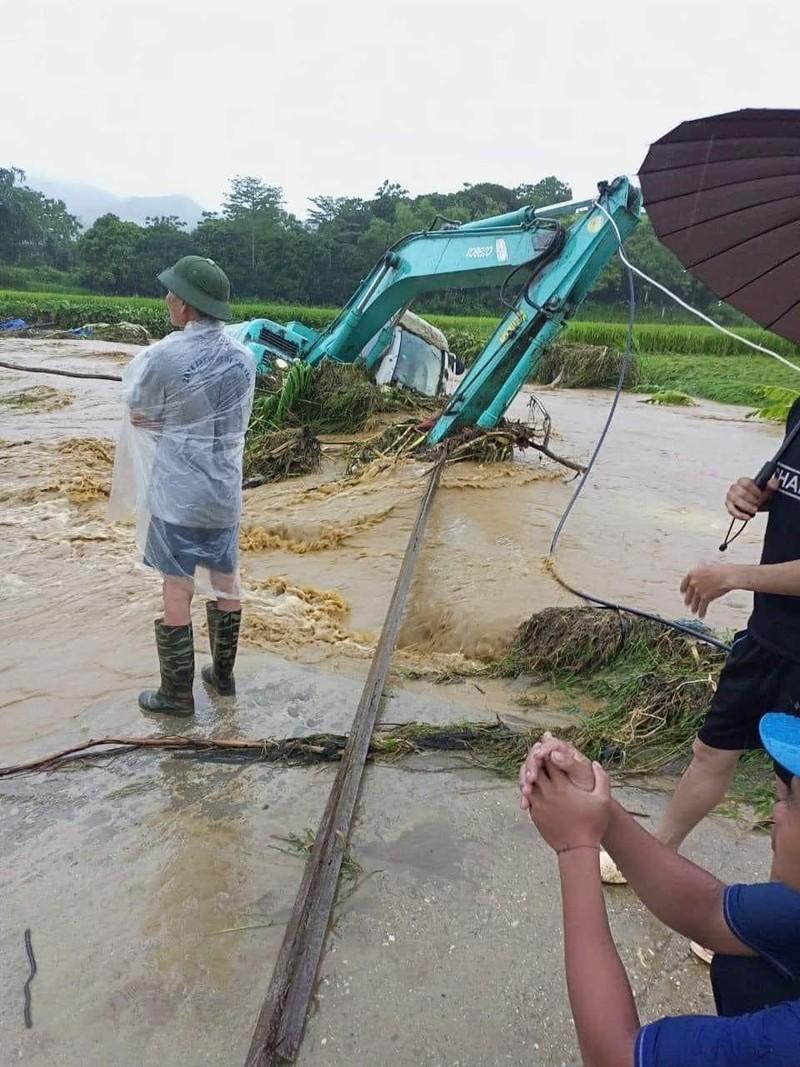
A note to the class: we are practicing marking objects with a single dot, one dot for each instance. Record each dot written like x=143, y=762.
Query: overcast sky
x=177, y=96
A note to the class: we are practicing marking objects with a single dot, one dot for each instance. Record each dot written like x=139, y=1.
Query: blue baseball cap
x=780, y=736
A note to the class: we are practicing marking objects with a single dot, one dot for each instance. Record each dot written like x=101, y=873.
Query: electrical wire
x=730, y=536
x=671, y=624
x=688, y=307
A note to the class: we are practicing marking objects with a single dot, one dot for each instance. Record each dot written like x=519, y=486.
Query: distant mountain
x=87, y=202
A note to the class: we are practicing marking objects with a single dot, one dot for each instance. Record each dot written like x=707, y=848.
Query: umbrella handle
x=761, y=480
x=767, y=471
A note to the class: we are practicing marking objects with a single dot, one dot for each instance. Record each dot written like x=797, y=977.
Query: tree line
x=270, y=254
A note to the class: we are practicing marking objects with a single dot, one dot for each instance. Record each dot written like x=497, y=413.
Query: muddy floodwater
x=155, y=888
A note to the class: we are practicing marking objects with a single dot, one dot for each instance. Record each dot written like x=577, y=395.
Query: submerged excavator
x=551, y=268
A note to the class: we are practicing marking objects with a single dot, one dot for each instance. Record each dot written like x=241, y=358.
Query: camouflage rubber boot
x=175, y=646
x=223, y=635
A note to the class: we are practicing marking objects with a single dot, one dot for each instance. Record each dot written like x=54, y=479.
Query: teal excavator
x=551, y=267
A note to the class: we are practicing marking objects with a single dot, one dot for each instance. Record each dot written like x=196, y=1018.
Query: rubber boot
x=175, y=646
x=223, y=635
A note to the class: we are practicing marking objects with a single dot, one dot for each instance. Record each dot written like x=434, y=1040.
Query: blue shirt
x=766, y=918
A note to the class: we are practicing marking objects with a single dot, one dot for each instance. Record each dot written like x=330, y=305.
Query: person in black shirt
x=762, y=671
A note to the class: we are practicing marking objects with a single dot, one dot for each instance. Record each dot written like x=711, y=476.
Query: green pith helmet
x=201, y=284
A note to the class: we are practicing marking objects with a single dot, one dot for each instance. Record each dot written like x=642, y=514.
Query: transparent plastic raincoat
x=178, y=466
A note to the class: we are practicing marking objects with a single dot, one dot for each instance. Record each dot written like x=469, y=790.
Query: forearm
x=678, y=892
x=600, y=995
x=780, y=578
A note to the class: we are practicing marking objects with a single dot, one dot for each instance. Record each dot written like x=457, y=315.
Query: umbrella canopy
x=723, y=193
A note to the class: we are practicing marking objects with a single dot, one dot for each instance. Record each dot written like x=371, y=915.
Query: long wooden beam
x=282, y=1019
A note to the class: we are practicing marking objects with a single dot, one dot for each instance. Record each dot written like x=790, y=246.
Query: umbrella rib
x=786, y=312
x=732, y=159
x=726, y=185
x=758, y=277
x=722, y=251
x=730, y=214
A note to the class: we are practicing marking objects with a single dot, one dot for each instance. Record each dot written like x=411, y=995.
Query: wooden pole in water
x=60, y=373
x=281, y=1022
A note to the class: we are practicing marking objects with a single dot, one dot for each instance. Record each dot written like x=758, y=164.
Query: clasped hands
x=567, y=796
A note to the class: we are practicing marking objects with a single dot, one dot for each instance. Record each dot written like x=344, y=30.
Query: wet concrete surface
x=156, y=890
x=452, y=955
x=137, y=877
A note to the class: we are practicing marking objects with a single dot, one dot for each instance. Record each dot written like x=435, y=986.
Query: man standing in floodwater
x=179, y=470
x=762, y=671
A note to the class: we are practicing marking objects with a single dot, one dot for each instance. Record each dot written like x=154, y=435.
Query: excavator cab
x=417, y=358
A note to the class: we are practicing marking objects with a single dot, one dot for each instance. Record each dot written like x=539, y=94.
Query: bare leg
x=178, y=593
x=702, y=787
x=223, y=584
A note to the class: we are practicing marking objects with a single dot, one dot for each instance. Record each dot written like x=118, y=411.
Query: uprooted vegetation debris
x=36, y=399
x=490, y=746
x=329, y=399
x=292, y=407
x=472, y=444
x=653, y=684
x=119, y=332
x=281, y=454
x=584, y=366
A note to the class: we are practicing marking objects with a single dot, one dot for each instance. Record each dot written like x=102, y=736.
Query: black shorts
x=177, y=551
x=754, y=681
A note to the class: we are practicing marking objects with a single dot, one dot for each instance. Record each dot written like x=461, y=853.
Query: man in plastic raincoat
x=179, y=468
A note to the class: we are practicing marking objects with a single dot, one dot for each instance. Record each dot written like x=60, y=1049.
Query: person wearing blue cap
x=754, y=930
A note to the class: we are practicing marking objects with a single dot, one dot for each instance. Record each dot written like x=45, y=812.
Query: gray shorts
x=177, y=551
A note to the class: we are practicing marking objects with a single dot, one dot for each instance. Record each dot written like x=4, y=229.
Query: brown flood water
x=72, y=588
x=130, y=875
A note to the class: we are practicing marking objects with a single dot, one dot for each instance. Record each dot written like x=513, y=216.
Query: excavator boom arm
x=554, y=269
x=466, y=257
x=543, y=309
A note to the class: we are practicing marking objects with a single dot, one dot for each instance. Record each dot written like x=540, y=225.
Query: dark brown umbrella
x=723, y=193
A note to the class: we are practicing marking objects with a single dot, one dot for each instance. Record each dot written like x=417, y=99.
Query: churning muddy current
x=321, y=553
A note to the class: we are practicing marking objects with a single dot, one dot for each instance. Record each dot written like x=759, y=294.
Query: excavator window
x=419, y=365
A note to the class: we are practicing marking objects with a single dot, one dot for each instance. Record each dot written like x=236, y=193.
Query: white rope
x=688, y=307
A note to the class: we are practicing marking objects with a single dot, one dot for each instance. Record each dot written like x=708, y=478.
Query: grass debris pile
x=571, y=641
x=653, y=685
x=331, y=398
x=38, y=399
x=585, y=366
x=280, y=454
x=670, y=398
x=472, y=444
